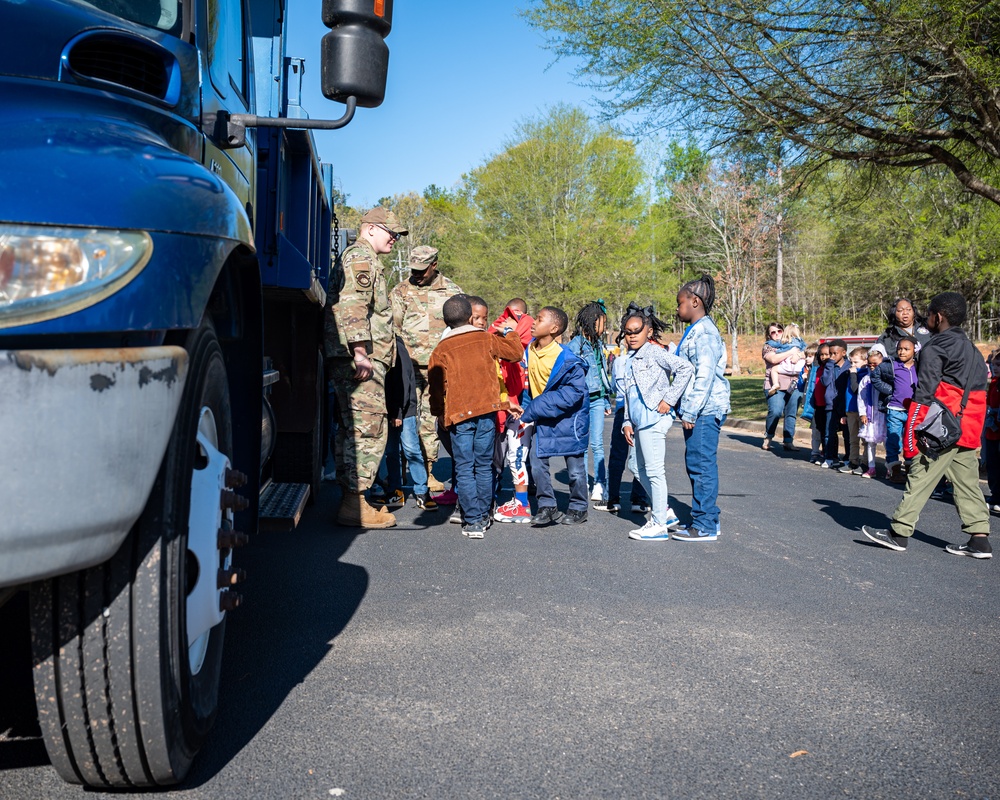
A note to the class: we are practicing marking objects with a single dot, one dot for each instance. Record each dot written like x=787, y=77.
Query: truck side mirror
x=355, y=57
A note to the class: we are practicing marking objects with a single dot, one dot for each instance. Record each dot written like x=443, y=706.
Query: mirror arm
x=231, y=129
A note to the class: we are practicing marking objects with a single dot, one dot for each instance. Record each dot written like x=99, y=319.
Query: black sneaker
x=474, y=530
x=425, y=502
x=546, y=516
x=983, y=550
x=573, y=517
x=885, y=538
x=612, y=505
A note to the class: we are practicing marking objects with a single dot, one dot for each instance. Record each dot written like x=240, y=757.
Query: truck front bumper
x=83, y=435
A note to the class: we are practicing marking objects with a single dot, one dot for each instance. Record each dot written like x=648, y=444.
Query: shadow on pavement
x=298, y=598
x=20, y=737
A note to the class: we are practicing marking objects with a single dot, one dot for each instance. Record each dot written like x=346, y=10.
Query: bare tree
x=734, y=236
x=901, y=83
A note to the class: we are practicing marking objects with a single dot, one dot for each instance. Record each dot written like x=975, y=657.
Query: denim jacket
x=649, y=370
x=707, y=394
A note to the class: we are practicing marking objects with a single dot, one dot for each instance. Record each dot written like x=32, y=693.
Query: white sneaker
x=650, y=532
x=598, y=493
x=672, y=523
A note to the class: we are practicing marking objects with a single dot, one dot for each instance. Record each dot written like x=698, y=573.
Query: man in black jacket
x=951, y=372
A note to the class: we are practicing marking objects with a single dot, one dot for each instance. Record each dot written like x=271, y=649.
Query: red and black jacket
x=949, y=363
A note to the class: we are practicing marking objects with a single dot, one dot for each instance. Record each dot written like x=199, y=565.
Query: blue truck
x=165, y=269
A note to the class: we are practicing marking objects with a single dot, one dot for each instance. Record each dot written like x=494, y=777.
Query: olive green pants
x=426, y=422
x=362, y=424
x=959, y=465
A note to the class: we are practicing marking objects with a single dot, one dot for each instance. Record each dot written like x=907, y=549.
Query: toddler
x=786, y=373
x=872, y=429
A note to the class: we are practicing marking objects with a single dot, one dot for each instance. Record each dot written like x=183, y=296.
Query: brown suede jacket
x=462, y=373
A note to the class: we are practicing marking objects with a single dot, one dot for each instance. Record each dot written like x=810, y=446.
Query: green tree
x=554, y=216
x=897, y=83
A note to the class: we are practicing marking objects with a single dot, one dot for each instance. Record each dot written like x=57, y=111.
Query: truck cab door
x=228, y=87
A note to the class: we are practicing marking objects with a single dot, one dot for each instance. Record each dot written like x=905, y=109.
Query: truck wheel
x=127, y=654
x=298, y=457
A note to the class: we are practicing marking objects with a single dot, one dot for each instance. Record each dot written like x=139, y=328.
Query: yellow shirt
x=540, y=364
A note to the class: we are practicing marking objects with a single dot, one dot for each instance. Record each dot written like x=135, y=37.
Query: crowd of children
x=856, y=397
x=856, y=400
x=510, y=396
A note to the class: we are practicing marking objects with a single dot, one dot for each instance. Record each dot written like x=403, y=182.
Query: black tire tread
x=107, y=717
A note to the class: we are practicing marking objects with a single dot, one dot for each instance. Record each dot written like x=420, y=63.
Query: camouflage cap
x=422, y=257
x=385, y=218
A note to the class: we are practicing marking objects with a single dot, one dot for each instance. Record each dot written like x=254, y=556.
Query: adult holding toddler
x=465, y=397
x=781, y=403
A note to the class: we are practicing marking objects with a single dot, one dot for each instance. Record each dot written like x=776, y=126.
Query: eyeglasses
x=775, y=330
x=393, y=236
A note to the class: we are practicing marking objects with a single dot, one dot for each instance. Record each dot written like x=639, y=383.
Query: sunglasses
x=392, y=235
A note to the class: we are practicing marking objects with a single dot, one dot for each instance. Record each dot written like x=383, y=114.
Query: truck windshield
x=162, y=14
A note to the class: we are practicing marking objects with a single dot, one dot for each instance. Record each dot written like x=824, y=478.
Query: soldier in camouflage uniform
x=361, y=348
x=416, y=313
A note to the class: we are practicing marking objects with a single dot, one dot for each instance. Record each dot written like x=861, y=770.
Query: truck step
x=281, y=505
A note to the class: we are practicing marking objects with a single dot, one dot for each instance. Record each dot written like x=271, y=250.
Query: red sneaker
x=448, y=498
x=512, y=511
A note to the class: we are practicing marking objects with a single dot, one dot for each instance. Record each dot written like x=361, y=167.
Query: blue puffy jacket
x=561, y=413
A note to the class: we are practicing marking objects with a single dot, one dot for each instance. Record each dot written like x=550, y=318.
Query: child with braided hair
x=650, y=397
x=588, y=344
x=703, y=406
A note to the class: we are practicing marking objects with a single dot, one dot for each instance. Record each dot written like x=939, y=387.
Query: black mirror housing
x=355, y=57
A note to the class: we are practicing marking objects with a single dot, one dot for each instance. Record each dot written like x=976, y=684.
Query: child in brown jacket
x=465, y=397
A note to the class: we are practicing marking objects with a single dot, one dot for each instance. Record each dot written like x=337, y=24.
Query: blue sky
x=461, y=76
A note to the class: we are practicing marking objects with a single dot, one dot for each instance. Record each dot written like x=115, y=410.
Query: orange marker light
x=380, y=8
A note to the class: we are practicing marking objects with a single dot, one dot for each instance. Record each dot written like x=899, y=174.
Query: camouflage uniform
x=416, y=313
x=362, y=314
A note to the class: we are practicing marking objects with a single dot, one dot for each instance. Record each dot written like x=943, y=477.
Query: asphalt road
x=790, y=659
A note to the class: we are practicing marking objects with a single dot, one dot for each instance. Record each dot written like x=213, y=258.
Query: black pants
x=833, y=427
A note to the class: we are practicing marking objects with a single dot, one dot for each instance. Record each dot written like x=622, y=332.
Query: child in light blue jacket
x=703, y=406
x=650, y=397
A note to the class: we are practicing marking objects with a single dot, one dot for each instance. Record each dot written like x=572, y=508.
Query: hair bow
x=600, y=302
x=634, y=308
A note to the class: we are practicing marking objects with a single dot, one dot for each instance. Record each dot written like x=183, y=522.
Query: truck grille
x=123, y=62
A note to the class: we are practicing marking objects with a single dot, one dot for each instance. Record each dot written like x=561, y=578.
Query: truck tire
x=123, y=701
x=298, y=457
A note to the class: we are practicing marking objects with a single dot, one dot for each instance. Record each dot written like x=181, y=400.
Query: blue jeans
x=617, y=459
x=778, y=404
x=408, y=438
x=576, y=466
x=597, y=406
x=701, y=448
x=472, y=451
x=895, y=419
x=650, y=452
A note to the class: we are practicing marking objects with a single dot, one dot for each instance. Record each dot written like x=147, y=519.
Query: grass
x=747, y=397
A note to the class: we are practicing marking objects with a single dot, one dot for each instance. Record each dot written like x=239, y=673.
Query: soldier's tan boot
x=355, y=512
x=434, y=486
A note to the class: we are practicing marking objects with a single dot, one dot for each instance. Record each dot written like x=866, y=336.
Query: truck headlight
x=47, y=272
